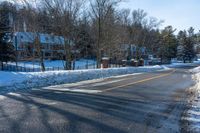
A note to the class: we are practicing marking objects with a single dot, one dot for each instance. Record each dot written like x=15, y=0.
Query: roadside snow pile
x=20, y=80
x=196, y=70
x=192, y=116
x=177, y=65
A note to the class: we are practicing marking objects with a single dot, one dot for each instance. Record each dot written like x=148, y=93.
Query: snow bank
x=19, y=80
x=176, y=65
x=196, y=70
x=192, y=115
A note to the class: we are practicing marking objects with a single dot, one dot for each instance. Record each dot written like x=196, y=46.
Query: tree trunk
x=98, y=59
x=99, y=42
x=68, y=58
x=1, y=65
x=42, y=61
x=74, y=64
x=184, y=61
x=68, y=64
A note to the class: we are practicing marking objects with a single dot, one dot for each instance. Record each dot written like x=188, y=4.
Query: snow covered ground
x=192, y=115
x=20, y=80
x=79, y=64
x=182, y=64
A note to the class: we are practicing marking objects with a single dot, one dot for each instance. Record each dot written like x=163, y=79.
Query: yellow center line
x=140, y=81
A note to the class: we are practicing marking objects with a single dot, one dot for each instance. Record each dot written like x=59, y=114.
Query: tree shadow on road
x=58, y=111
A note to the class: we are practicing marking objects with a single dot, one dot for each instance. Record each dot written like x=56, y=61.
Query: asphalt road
x=150, y=102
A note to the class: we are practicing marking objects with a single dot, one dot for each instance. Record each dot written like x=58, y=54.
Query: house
x=133, y=51
x=52, y=46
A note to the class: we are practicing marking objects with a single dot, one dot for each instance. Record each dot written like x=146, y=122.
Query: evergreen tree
x=6, y=49
x=180, y=49
x=168, y=48
x=186, y=45
x=188, y=52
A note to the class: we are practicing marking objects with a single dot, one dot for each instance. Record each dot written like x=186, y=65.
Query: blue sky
x=181, y=14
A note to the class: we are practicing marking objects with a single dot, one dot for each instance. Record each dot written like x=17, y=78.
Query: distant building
x=52, y=46
x=132, y=51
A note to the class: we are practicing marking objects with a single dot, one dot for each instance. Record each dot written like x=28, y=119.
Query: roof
x=51, y=39
x=29, y=37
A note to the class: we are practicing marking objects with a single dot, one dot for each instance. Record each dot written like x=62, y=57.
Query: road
x=142, y=103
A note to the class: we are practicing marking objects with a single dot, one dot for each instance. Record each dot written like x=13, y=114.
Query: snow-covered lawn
x=79, y=64
x=20, y=80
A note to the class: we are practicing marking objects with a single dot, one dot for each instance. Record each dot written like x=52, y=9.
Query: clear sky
x=181, y=14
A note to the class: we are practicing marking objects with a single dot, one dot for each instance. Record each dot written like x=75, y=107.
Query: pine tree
x=7, y=52
x=168, y=42
x=186, y=42
x=180, y=49
x=188, y=52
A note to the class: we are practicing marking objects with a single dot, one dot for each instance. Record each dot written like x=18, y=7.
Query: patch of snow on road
x=80, y=90
x=62, y=89
x=108, y=82
x=121, y=76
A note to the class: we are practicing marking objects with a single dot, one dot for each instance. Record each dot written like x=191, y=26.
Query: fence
x=29, y=68
x=14, y=68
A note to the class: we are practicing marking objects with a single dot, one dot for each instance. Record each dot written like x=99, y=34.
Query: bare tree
x=34, y=26
x=141, y=28
x=100, y=9
x=64, y=15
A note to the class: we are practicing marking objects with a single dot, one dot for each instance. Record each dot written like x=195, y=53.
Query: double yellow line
x=140, y=81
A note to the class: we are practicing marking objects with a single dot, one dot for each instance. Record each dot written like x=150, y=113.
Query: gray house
x=132, y=51
x=51, y=46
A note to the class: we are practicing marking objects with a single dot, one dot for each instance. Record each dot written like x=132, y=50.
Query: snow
x=192, y=116
x=24, y=80
x=195, y=70
x=179, y=64
x=20, y=80
x=79, y=64
x=56, y=88
x=105, y=58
